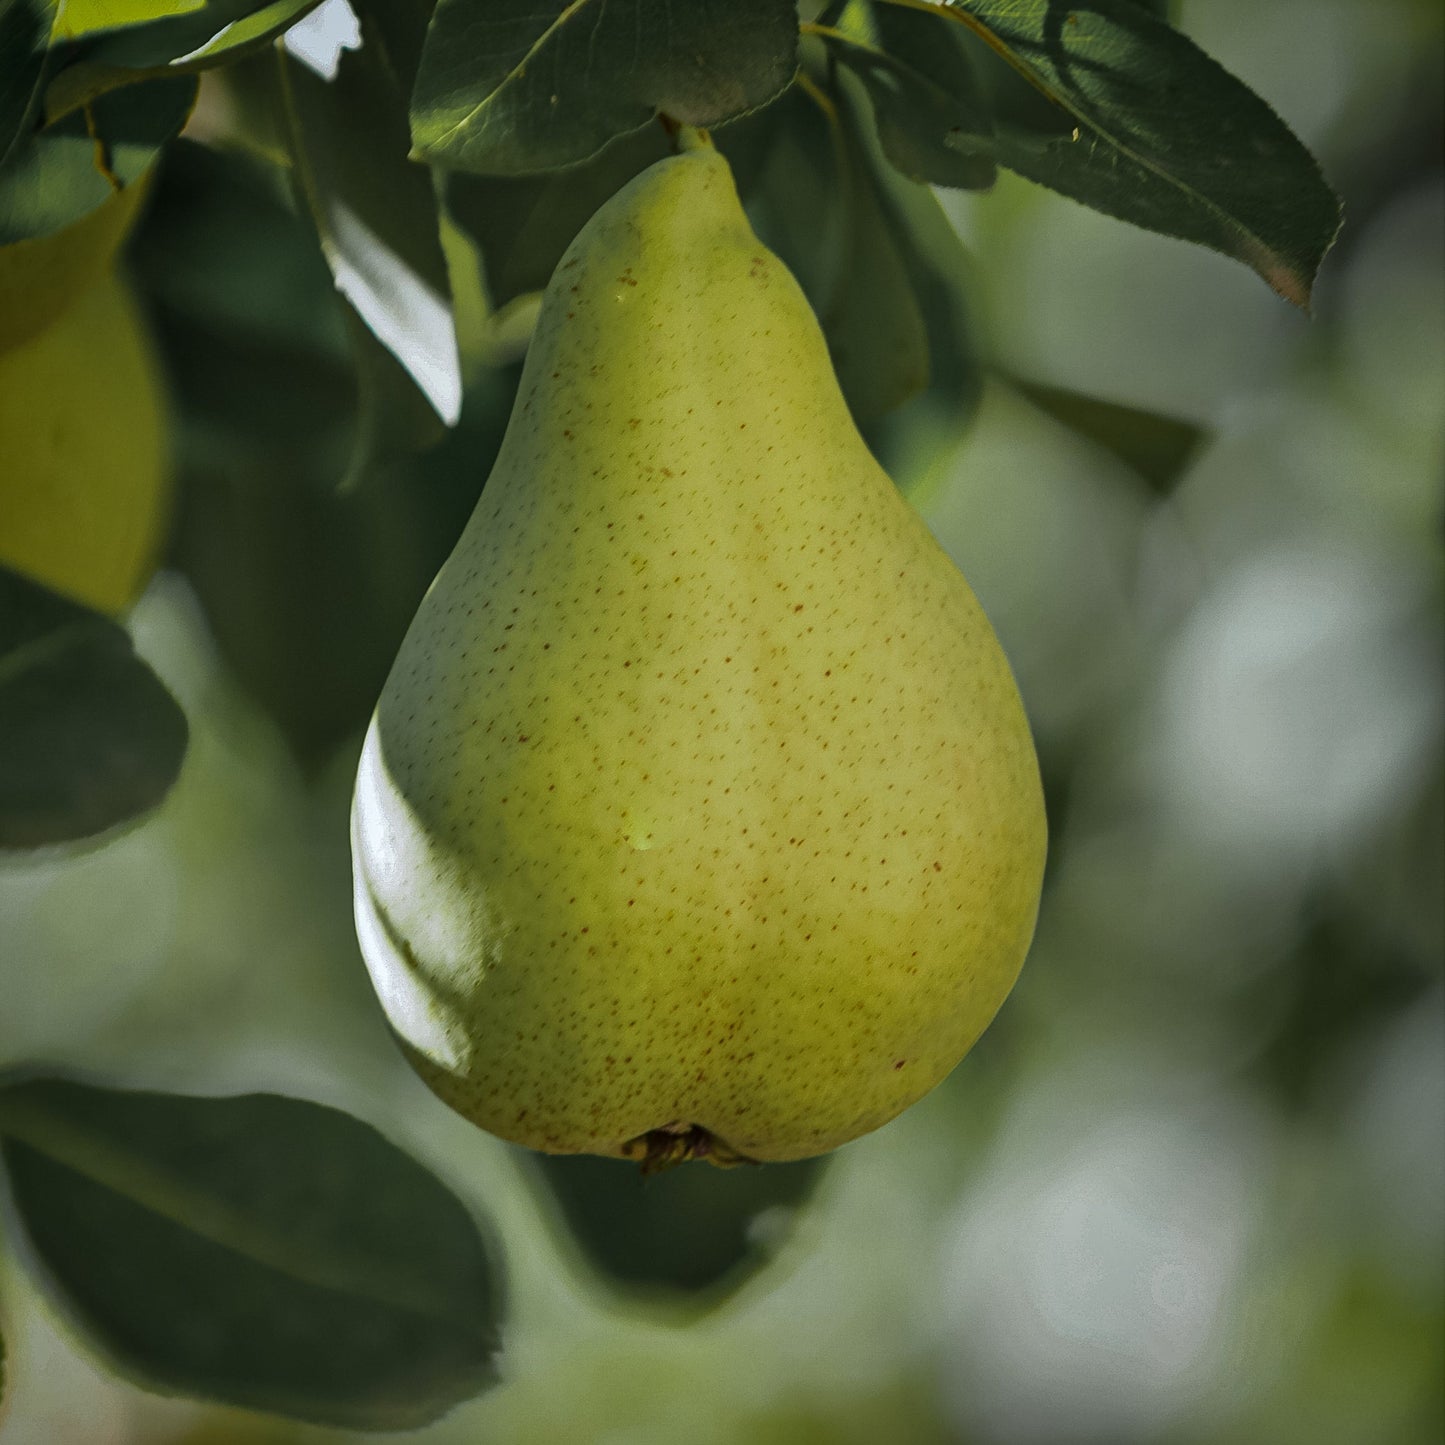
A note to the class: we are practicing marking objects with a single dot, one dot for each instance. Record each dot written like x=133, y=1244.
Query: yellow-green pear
x=699, y=816
x=40, y=276
x=85, y=459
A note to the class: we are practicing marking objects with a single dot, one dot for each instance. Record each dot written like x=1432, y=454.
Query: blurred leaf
x=190, y=39
x=307, y=590
x=57, y=175
x=261, y=1251
x=932, y=121
x=523, y=224
x=875, y=328
x=310, y=590
x=24, y=34
x=89, y=736
x=376, y=214
x=398, y=28
x=511, y=86
x=1344, y=980
x=1158, y=447
x=920, y=432
x=221, y=245
x=937, y=268
x=393, y=415
x=683, y=1231
x=1141, y=124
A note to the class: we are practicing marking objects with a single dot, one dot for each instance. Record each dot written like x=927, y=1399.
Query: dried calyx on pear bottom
x=699, y=816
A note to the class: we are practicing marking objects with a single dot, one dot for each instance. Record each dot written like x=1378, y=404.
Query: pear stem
x=685, y=137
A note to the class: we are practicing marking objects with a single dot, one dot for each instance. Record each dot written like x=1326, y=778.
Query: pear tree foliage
x=340, y=250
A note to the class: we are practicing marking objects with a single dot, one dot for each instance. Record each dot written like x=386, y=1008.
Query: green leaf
x=24, y=35
x=376, y=214
x=215, y=33
x=222, y=247
x=512, y=86
x=307, y=589
x=1158, y=447
x=1141, y=124
x=685, y=1232
x=310, y=591
x=258, y=1250
x=398, y=28
x=919, y=433
x=78, y=18
x=932, y=120
x=929, y=265
x=1162, y=9
x=55, y=176
x=89, y=737
x=875, y=327
x=523, y=224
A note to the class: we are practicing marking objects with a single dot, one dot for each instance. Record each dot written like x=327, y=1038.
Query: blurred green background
x=1191, y=1185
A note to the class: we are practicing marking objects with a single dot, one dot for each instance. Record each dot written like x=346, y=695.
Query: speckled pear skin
x=699, y=814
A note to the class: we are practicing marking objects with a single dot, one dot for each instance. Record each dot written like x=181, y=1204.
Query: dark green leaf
x=934, y=267
x=1158, y=447
x=375, y=212
x=931, y=118
x=682, y=1232
x=875, y=327
x=815, y=200
x=89, y=737
x=394, y=417
x=512, y=86
x=1133, y=119
x=262, y=1251
x=221, y=246
x=308, y=590
x=911, y=437
x=398, y=28
x=24, y=34
x=217, y=32
x=874, y=253
x=1164, y=9
x=56, y=176
x=523, y=224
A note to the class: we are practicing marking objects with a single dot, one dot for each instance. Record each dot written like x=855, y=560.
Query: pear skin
x=699, y=815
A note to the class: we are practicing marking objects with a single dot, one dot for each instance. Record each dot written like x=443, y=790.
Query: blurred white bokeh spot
x=1090, y=1284
x=1044, y=527
x=1302, y=697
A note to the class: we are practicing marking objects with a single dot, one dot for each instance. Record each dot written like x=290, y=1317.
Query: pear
x=85, y=464
x=699, y=815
